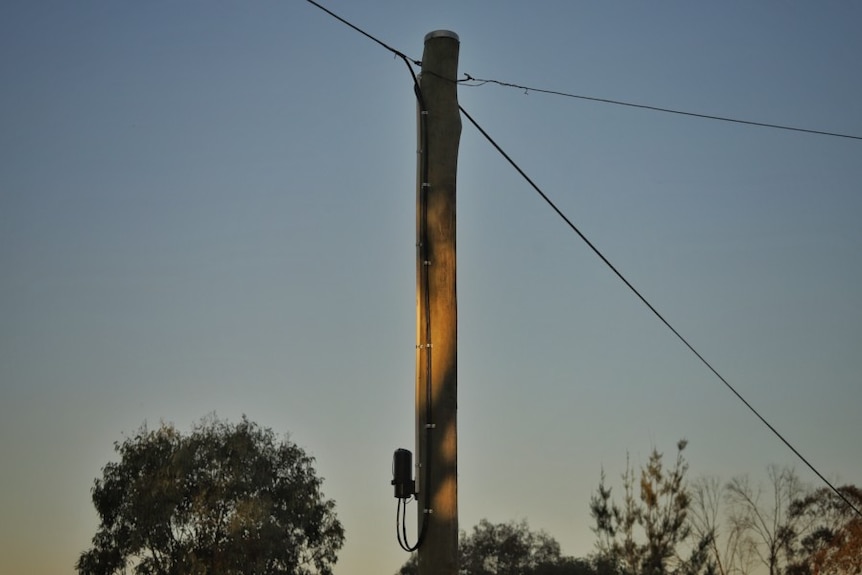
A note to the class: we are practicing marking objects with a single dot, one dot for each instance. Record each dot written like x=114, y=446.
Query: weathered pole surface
x=437, y=447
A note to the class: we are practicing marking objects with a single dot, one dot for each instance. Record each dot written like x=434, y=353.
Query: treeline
x=234, y=499
x=661, y=523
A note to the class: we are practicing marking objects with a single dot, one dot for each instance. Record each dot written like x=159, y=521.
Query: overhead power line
x=476, y=82
x=592, y=246
x=652, y=308
x=366, y=34
x=472, y=82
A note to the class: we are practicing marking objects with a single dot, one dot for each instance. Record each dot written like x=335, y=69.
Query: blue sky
x=209, y=207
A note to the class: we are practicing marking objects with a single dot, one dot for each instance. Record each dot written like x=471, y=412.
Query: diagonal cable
x=409, y=61
x=366, y=34
x=652, y=308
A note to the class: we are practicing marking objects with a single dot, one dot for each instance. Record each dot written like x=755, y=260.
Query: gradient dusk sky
x=210, y=207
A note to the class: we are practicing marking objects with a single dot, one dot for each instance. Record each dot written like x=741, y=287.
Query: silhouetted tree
x=509, y=549
x=226, y=499
x=731, y=549
x=506, y=549
x=830, y=541
x=768, y=524
x=567, y=566
x=647, y=534
x=410, y=567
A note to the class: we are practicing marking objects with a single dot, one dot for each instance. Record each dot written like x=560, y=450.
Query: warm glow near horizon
x=210, y=207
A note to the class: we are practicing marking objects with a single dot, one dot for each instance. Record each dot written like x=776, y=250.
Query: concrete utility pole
x=436, y=305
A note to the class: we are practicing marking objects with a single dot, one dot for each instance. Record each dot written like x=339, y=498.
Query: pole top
x=442, y=34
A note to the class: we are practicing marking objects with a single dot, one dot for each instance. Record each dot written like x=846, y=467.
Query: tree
x=509, y=549
x=831, y=542
x=567, y=566
x=768, y=525
x=731, y=550
x=647, y=534
x=227, y=499
x=506, y=549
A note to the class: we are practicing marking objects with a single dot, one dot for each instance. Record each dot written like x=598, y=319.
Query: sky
x=209, y=207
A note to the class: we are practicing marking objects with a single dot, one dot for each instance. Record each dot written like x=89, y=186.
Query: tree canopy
x=831, y=542
x=509, y=549
x=649, y=533
x=506, y=549
x=227, y=498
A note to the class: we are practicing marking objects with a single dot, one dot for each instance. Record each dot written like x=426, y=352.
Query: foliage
x=646, y=534
x=509, y=549
x=506, y=549
x=227, y=499
x=567, y=566
x=410, y=567
x=831, y=543
x=666, y=526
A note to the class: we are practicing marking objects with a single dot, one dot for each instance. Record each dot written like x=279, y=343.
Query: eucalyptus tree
x=227, y=498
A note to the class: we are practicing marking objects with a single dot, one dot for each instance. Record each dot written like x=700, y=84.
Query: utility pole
x=436, y=306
